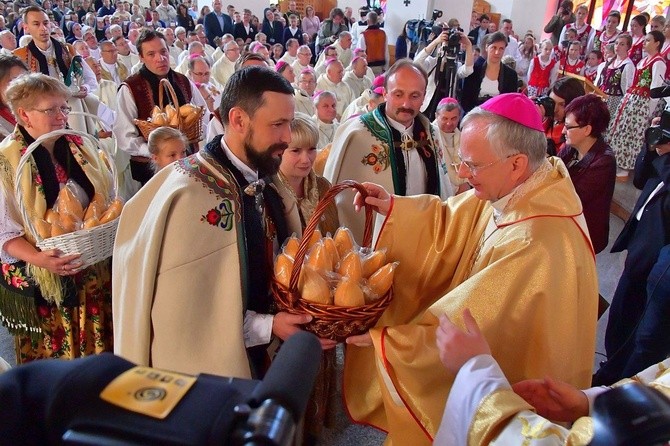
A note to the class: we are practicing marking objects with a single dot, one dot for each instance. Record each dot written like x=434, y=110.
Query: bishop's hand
x=378, y=198
x=457, y=346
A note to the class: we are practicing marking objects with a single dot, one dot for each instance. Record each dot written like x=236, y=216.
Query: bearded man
x=191, y=288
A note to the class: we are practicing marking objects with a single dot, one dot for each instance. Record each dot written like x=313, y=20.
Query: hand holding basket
x=94, y=244
x=190, y=125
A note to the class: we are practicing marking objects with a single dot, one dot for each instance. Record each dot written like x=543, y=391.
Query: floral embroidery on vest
x=378, y=159
x=221, y=216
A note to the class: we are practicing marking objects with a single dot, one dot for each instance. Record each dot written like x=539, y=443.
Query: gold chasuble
x=528, y=276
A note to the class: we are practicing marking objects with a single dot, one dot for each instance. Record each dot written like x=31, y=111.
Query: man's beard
x=263, y=161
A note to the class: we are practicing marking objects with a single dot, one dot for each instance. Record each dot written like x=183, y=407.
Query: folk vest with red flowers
x=144, y=88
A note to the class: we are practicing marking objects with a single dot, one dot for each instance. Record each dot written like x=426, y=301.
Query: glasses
x=53, y=111
x=570, y=127
x=205, y=73
x=473, y=169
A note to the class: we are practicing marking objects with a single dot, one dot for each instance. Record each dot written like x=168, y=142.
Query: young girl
x=561, y=50
x=572, y=63
x=528, y=53
x=325, y=104
x=542, y=71
x=166, y=145
x=593, y=60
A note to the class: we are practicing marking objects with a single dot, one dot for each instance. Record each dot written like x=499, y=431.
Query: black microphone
x=278, y=403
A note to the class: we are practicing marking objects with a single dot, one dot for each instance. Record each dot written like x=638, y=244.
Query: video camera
x=107, y=400
x=659, y=134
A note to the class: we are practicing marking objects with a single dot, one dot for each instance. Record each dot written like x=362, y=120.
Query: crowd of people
x=493, y=203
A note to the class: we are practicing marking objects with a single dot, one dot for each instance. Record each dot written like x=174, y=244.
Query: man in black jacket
x=477, y=34
x=644, y=235
x=217, y=23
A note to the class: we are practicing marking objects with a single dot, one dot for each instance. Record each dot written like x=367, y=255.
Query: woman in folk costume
x=637, y=32
x=665, y=49
x=53, y=310
x=301, y=190
x=609, y=33
x=11, y=67
x=634, y=113
x=615, y=76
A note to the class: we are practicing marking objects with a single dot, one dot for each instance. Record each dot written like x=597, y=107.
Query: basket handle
x=102, y=123
x=164, y=84
x=26, y=157
x=314, y=222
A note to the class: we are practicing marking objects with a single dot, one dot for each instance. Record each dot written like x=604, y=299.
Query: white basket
x=94, y=244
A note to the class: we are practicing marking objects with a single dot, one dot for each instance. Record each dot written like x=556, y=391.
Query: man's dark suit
x=644, y=240
x=474, y=36
x=240, y=32
x=213, y=27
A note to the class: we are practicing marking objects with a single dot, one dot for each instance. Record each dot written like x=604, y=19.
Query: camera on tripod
x=453, y=44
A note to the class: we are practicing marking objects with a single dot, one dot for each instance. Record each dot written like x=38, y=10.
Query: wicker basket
x=330, y=321
x=94, y=244
x=193, y=133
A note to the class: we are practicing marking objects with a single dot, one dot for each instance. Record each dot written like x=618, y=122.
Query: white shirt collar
x=49, y=49
x=398, y=126
x=249, y=174
x=110, y=67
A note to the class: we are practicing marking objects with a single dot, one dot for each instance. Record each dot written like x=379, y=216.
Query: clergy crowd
x=219, y=131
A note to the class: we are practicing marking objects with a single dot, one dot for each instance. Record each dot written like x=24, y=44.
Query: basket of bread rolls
x=344, y=287
x=75, y=224
x=187, y=118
